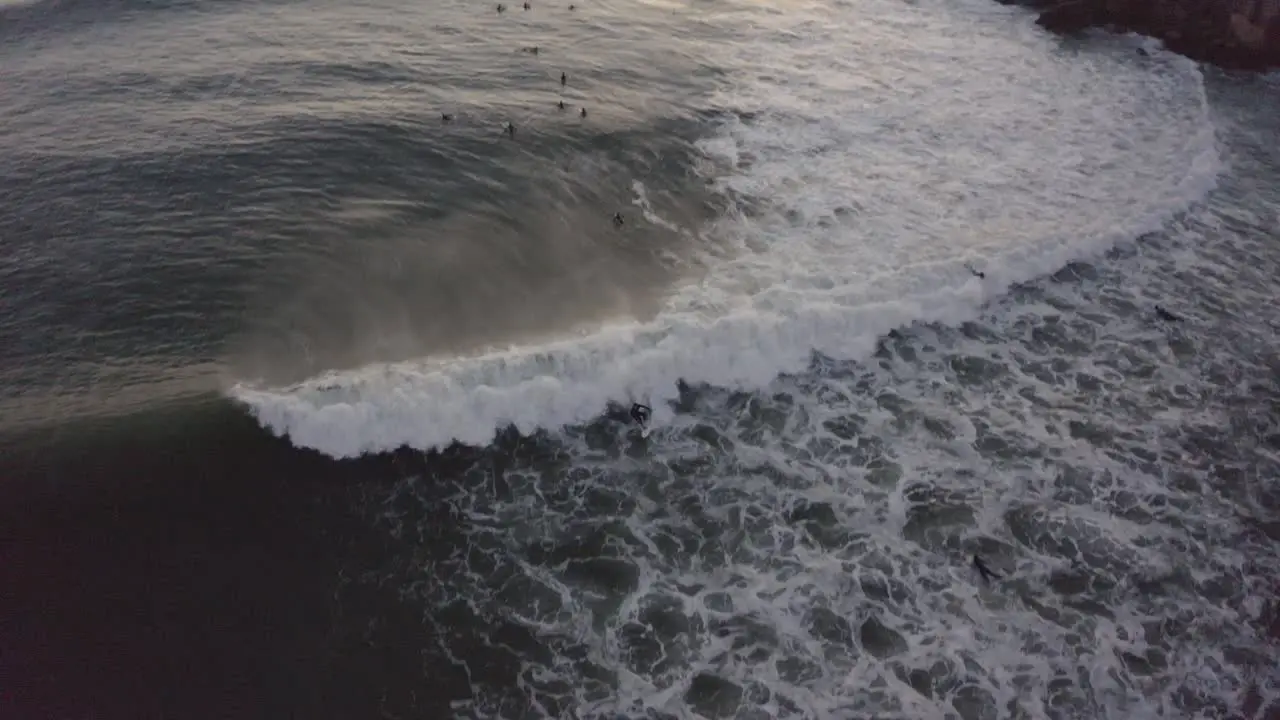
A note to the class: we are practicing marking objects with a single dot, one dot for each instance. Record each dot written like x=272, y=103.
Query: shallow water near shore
x=315, y=404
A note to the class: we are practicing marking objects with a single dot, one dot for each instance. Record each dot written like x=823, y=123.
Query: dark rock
x=1033, y=4
x=1072, y=17
x=1239, y=34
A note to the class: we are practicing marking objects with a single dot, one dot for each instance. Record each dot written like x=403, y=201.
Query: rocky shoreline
x=1234, y=34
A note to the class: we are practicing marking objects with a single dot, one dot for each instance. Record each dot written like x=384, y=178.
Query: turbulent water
x=887, y=275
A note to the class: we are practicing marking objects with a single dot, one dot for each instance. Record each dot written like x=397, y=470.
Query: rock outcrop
x=1240, y=34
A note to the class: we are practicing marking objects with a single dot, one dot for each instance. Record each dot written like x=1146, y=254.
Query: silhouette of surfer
x=976, y=273
x=640, y=413
x=617, y=219
x=1166, y=315
x=987, y=573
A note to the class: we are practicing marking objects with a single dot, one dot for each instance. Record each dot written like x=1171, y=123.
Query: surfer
x=511, y=129
x=1166, y=315
x=640, y=413
x=526, y=6
x=563, y=79
x=583, y=113
x=976, y=273
x=987, y=573
x=560, y=104
x=446, y=117
x=617, y=219
x=502, y=8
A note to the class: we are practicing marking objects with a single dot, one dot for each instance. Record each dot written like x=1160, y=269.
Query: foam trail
x=642, y=201
x=866, y=227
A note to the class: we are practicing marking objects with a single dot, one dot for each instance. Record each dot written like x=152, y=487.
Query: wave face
x=871, y=156
x=268, y=194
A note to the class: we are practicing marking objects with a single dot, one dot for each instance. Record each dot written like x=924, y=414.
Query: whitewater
x=922, y=330
x=863, y=190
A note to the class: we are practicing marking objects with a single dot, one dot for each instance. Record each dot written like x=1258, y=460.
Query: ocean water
x=313, y=401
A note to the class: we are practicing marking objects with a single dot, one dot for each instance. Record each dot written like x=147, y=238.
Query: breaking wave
x=863, y=192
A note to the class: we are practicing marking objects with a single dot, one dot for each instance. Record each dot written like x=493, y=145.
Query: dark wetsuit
x=640, y=413
x=987, y=573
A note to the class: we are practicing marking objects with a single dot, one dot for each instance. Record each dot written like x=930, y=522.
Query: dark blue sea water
x=313, y=399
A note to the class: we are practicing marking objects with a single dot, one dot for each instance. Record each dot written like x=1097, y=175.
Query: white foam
x=646, y=208
x=883, y=161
